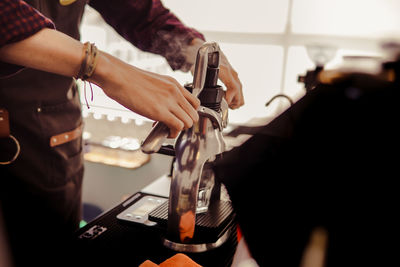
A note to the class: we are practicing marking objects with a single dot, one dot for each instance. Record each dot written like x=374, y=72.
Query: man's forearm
x=157, y=97
x=47, y=50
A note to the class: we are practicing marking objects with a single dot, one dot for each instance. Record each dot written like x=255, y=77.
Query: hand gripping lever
x=160, y=131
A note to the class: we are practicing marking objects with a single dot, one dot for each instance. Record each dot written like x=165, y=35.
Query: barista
x=40, y=53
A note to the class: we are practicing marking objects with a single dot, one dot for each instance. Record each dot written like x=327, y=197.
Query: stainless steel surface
x=193, y=148
x=207, y=183
x=208, y=54
x=155, y=139
x=160, y=131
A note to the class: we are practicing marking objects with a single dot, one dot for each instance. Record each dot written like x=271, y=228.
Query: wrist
x=102, y=71
x=110, y=74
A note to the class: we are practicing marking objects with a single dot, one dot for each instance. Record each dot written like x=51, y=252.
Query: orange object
x=148, y=263
x=178, y=260
x=238, y=233
x=187, y=225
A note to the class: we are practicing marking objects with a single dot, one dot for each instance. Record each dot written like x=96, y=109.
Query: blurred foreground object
x=328, y=162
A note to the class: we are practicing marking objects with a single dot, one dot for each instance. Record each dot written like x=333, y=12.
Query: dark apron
x=40, y=192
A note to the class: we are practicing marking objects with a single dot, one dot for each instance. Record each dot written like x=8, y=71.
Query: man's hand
x=234, y=94
x=157, y=97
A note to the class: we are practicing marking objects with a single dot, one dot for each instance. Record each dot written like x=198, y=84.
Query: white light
x=86, y=135
x=139, y=122
x=125, y=120
x=97, y=116
x=85, y=113
x=110, y=117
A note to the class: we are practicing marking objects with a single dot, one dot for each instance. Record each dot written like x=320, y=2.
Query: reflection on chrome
x=193, y=148
x=191, y=183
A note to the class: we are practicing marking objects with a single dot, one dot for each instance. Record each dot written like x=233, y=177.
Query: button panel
x=139, y=211
x=93, y=232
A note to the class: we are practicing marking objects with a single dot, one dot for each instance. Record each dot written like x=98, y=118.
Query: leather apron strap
x=5, y=133
x=4, y=123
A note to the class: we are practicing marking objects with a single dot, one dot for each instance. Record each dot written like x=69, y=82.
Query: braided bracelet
x=86, y=47
x=92, y=63
x=88, y=65
x=89, y=61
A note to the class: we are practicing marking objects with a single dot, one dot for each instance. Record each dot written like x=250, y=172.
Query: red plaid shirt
x=150, y=26
x=18, y=20
x=146, y=24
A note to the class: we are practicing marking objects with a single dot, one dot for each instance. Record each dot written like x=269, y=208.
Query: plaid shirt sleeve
x=18, y=20
x=151, y=27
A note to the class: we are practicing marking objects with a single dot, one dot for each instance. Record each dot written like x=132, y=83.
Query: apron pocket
x=62, y=129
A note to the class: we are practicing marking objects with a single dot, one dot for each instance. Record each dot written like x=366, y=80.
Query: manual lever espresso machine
x=196, y=218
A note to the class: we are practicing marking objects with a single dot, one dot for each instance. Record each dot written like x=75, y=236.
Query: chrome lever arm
x=208, y=54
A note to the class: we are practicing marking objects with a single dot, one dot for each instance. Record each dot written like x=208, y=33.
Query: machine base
x=109, y=240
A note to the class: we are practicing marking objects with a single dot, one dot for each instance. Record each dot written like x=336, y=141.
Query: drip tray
x=210, y=225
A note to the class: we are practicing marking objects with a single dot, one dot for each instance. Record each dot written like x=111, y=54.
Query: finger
x=174, y=124
x=232, y=83
x=235, y=103
x=190, y=104
x=173, y=133
x=187, y=117
x=181, y=107
x=238, y=100
x=193, y=100
x=234, y=94
x=182, y=99
x=177, y=121
x=229, y=95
